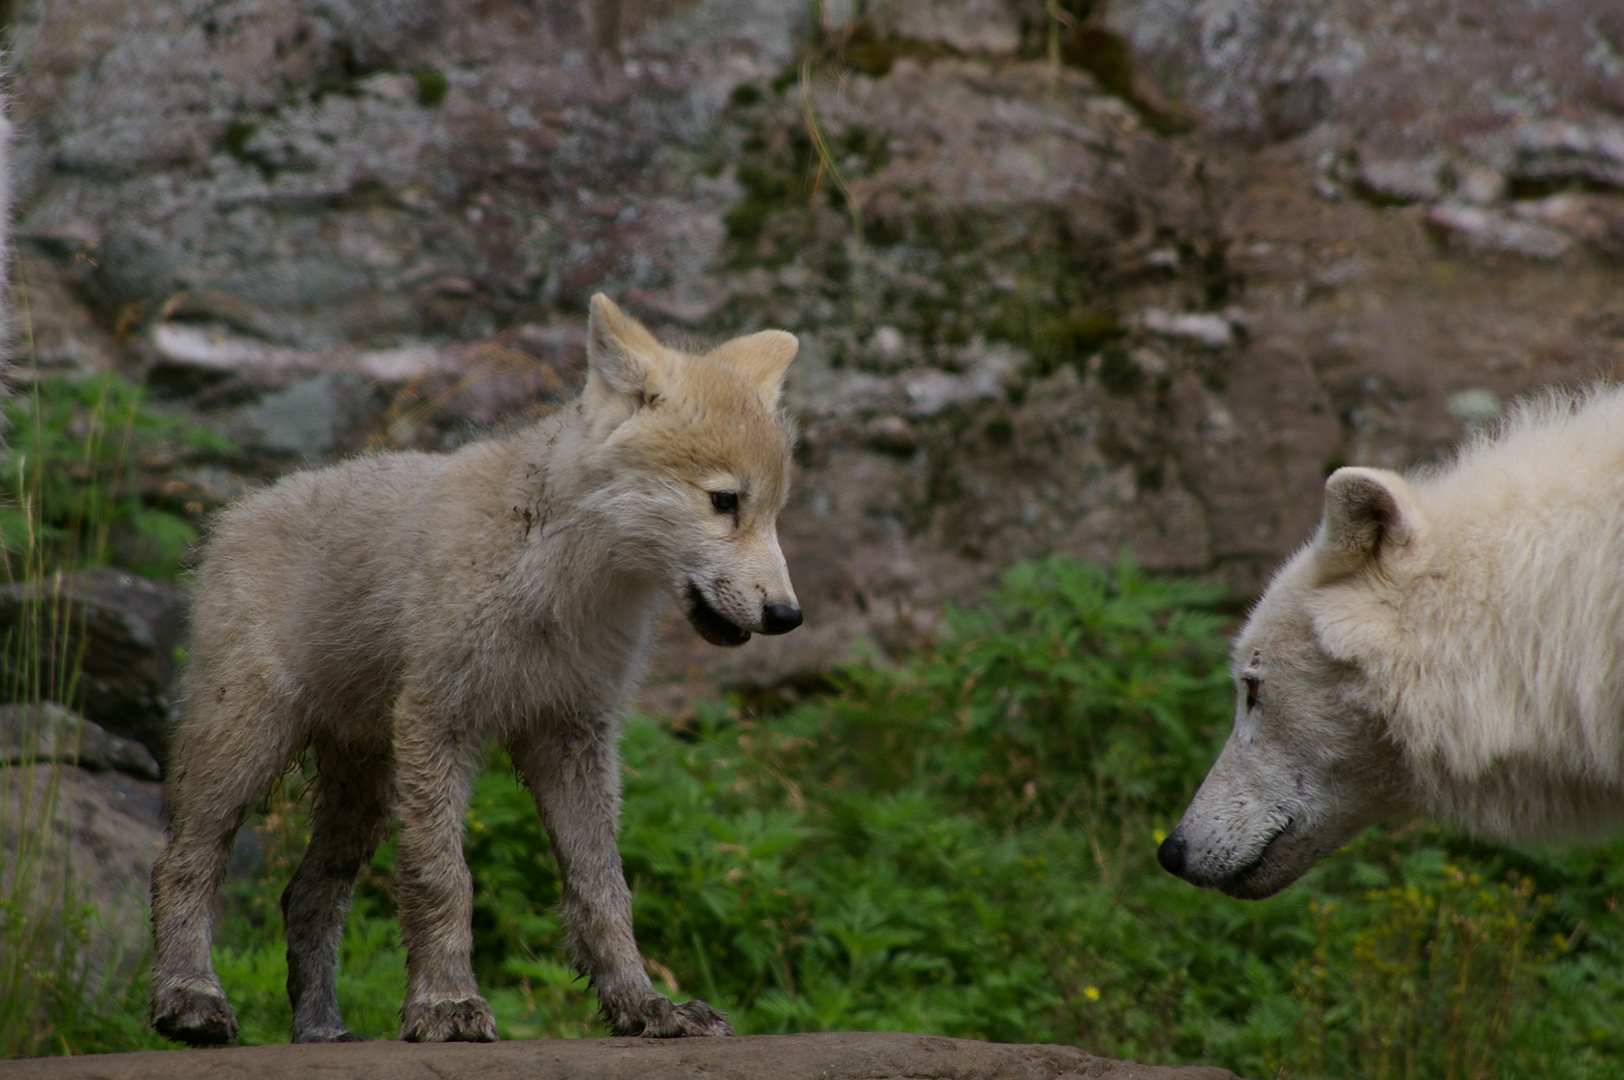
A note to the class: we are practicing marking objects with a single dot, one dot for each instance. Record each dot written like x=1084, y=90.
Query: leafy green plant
x=1426, y=979
x=65, y=495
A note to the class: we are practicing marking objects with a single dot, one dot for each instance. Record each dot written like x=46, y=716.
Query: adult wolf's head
x=693, y=459
x=1310, y=761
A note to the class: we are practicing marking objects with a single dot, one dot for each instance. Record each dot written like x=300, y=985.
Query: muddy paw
x=465, y=1020
x=196, y=1017
x=693, y=1018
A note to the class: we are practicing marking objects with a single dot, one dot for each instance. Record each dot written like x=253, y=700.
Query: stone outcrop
x=81, y=821
x=827, y=1056
x=37, y=734
x=1088, y=278
x=103, y=641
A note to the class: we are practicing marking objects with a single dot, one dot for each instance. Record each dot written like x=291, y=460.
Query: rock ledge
x=822, y=1056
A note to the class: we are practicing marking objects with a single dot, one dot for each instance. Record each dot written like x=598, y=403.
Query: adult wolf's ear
x=1371, y=515
x=763, y=358
x=619, y=349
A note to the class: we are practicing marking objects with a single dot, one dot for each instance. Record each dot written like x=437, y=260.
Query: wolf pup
x=1451, y=644
x=397, y=613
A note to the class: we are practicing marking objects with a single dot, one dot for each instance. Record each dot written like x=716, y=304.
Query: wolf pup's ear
x=619, y=349
x=763, y=358
x=1370, y=515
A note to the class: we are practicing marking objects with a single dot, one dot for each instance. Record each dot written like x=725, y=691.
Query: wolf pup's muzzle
x=718, y=629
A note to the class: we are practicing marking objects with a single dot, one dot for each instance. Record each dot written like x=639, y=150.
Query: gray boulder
x=81, y=819
x=102, y=641
x=48, y=732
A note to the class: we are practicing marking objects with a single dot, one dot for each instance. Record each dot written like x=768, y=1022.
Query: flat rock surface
x=824, y=1056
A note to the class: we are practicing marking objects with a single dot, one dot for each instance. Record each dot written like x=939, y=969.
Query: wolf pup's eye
x=1252, y=683
x=726, y=502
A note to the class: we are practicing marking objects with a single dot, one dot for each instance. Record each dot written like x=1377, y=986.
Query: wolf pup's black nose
x=1171, y=854
x=779, y=619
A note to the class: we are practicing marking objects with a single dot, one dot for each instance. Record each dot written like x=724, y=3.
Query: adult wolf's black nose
x=1171, y=854
x=779, y=619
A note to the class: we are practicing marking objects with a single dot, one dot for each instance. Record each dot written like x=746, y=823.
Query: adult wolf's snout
x=1171, y=854
x=779, y=618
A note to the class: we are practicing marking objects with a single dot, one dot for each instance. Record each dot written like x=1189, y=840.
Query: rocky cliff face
x=1088, y=278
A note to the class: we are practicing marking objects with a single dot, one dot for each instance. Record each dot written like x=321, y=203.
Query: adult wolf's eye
x=1252, y=683
x=726, y=502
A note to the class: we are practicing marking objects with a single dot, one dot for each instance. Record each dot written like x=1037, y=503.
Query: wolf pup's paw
x=195, y=1017
x=464, y=1020
x=663, y=1020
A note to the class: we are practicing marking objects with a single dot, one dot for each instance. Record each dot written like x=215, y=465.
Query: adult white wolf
x=1451, y=644
x=398, y=613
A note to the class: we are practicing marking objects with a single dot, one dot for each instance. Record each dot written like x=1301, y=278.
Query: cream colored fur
x=396, y=614
x=1451, y=644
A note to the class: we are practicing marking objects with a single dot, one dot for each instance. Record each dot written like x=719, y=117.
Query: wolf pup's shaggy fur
x=397, y=613
x=1451, y=643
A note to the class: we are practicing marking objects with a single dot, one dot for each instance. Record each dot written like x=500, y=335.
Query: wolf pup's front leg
x=574, y=775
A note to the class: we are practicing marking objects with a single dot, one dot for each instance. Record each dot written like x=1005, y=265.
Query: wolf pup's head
x=696, y=459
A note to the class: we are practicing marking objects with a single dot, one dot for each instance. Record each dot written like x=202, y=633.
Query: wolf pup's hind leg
x=235, y=742
x=349, y=821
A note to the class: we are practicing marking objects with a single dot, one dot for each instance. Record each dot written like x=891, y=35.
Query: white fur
x=1451, y=643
